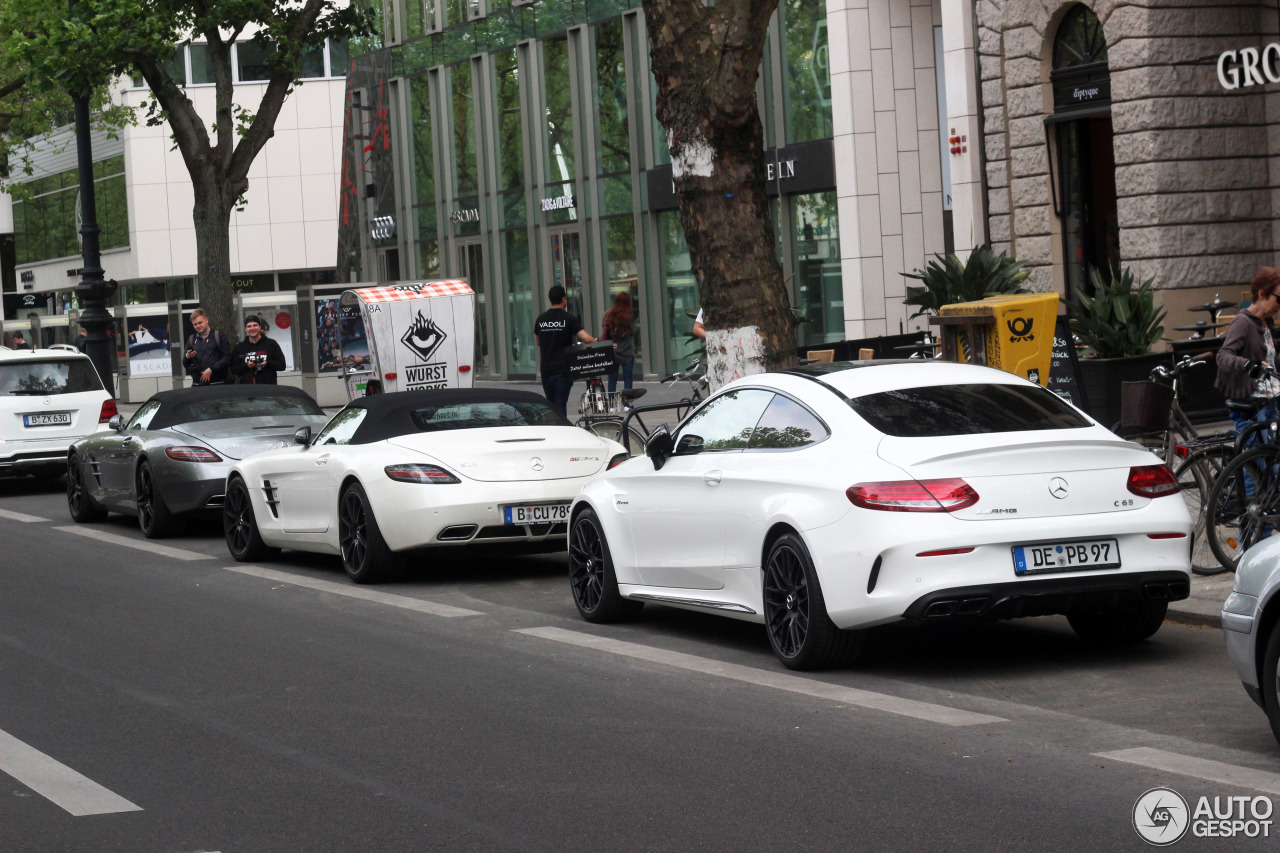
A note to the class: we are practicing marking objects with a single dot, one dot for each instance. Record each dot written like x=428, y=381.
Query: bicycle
x=1152, y=417
x=601, y=412
x=1243, y=504
x=697, y=384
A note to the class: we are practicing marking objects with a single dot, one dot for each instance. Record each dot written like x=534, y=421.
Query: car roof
x=176, y=406
x=390, y=415
x=858, y=378
x=7, y=354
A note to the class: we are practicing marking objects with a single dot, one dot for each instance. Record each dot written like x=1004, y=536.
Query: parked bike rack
x=637, y=410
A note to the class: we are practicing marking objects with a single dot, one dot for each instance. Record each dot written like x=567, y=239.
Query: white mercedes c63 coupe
x=415, y=469
x=836, y=497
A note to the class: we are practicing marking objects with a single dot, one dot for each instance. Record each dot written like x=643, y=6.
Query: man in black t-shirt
x=554, y=331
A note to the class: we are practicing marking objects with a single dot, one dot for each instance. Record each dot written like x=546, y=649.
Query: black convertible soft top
x=179, y=407
x=390, y=415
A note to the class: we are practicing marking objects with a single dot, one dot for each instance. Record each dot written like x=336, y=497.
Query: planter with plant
x=1118, y=325
x=948, y=280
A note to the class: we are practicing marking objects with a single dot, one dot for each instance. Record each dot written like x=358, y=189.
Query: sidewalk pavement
x=1203, y=608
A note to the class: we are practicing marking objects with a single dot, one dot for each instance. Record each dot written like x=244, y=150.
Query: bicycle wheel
x=1244, y=504
x=612, y=429
x=1195, y=476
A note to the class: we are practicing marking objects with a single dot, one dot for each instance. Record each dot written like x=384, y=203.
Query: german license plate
x=49, y=419
x=536, y=514
x=1065, y=556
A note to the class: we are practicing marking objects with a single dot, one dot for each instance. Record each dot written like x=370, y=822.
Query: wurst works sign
x=1249, y=66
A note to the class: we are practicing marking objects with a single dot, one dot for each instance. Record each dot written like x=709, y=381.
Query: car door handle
x=323, y=460
x=712, y=478
x=128, y=441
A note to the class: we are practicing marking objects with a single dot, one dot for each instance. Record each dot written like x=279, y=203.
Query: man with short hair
x=257, y=358
x=208, y=353
x=554, y=331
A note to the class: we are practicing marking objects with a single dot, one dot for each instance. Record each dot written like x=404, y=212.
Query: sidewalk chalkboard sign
x=1064, y=370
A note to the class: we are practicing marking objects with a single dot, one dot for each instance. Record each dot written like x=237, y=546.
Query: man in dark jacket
x=257, y=358
x=208, y=353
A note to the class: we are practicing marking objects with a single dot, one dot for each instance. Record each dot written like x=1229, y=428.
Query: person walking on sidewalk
x=208, y=353
x=1248, y=345
x=257, y=358
x=554, y=331
x=620, y=328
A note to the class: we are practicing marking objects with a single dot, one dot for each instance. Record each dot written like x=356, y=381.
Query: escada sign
x=1249, y=66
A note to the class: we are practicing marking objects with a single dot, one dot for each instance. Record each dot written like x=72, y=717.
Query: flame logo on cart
x=424, y=337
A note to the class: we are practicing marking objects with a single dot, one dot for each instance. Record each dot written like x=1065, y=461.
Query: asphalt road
x=173, y=700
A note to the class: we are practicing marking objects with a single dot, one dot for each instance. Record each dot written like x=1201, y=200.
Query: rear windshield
x=490, y=414
x=941, y=410
x=249, y=407
x=42, y=378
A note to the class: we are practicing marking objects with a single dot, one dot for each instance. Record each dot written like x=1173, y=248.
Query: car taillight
x=108, y=412
x=942, y=495
x=419, y=474
x=1152, y=481
x=191, y=454
x=618, y=460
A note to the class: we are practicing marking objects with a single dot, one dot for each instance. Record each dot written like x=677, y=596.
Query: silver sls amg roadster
x=173, y=455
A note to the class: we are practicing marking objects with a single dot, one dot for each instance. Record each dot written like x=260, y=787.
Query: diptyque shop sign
x=1249, y=66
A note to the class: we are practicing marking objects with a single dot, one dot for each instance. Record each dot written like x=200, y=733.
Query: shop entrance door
x=566, y=268
x=1090, y=224
x=471, y=267
x=389, y=265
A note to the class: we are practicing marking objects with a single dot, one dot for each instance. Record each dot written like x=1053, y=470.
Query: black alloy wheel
x=365, y=555
x=800, y=632
x=80, y=505
x=591, y=577
x=154, y=518
x=240, y=527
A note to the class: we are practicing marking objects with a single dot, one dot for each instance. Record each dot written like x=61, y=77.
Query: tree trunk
x=212, y=216
x=706, y=61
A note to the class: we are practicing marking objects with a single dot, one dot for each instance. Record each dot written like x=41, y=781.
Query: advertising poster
x=328, y=335
x=149, y=345
x=352, y=339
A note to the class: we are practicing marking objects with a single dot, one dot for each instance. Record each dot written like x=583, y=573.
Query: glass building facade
x=515, y=145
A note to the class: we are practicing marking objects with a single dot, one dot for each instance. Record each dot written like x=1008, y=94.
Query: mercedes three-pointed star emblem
x=1058, y=488
x=535, y=463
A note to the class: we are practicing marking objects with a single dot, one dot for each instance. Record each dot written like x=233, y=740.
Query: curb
x=1195, y=618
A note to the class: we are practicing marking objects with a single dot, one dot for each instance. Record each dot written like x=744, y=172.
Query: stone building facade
x=1196, y=164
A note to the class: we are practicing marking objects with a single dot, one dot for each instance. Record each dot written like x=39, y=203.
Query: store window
x=679, y=290
x=464, y=131
x=806, y=69
x=815, y=245
x=521, y=356
x=45, y=223
x=621, y=272
x=613, y=137
x=426, y=249
x=557, y=125
x=510, y=134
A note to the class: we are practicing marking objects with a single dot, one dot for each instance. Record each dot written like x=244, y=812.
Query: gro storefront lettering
x=1249, y=66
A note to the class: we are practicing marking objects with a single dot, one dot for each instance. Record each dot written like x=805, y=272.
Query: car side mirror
x=116, y=423
x=659, y=447
x=302, y=436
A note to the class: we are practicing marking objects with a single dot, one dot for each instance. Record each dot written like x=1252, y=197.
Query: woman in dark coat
x=1249, y=345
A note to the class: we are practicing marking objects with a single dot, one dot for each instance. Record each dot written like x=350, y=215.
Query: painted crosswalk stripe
x=56, y=782
x=1199, y=768
x=764, y=678
x=404, y=602
x=20, y=516
x=139, y=544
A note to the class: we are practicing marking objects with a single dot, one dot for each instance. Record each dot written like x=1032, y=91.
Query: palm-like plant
x=1119, y=319
x=948, y=280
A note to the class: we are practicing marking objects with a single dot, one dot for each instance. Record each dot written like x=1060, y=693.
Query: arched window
x=1080, y=40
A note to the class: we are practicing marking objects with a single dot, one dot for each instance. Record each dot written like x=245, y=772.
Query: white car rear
x=49, y=398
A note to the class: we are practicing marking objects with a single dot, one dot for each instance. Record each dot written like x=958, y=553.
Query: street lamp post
x=92, y=289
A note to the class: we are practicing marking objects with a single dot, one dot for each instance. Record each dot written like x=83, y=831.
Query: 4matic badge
x=424, y=337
